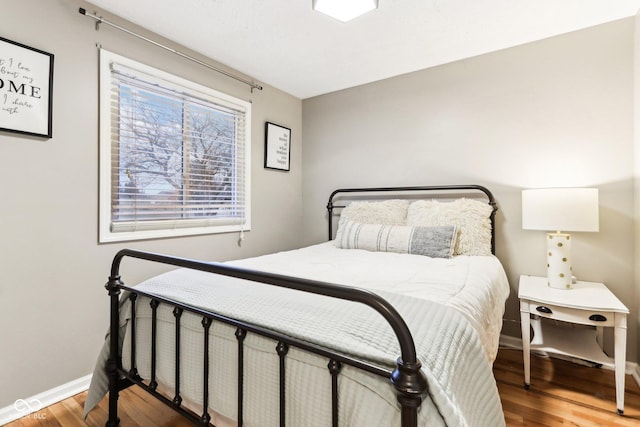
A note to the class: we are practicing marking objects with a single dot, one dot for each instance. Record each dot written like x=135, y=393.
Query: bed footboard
x=407, y=378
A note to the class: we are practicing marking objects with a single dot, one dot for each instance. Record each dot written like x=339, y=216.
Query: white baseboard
x=31, y=405
x=636, y=374
x=631, y=368
x=510, y=342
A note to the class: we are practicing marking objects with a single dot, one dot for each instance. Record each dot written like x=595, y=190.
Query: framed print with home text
x=26, y=89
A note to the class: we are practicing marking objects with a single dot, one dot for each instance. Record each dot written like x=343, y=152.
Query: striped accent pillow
x=435, y=242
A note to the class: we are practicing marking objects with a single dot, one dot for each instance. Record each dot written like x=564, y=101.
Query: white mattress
x=476, y=286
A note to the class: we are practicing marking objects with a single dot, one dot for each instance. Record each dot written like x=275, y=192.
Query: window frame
x=172, y=228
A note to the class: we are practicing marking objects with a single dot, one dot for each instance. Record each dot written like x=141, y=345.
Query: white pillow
x=390, y=212
x=472, y=218
x=435, y=242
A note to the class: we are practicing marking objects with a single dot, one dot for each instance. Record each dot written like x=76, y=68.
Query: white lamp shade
x=560, y=209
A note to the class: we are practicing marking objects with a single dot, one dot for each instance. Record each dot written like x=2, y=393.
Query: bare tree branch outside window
x=176, y=158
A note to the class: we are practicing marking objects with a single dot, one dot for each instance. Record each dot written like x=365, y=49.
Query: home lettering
x=21, y=89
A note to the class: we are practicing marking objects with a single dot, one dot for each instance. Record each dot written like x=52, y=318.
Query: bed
x=393, y=322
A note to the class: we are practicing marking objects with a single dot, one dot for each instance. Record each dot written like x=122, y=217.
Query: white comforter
x=476, y=286
x=430, y=294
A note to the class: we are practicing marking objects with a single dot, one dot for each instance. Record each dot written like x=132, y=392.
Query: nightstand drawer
x=573, y=315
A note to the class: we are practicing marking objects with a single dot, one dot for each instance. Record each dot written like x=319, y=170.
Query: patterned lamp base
x=559, y=260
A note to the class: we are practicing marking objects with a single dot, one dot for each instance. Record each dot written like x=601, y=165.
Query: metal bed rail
x=407, y=378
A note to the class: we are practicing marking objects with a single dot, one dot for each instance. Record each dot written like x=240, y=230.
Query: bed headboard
x=418, y=192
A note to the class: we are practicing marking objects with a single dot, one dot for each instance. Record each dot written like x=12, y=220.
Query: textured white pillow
x=435, y=242
x=471, y=217
x=389, y=212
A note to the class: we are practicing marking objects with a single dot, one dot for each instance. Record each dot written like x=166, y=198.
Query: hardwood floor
x=561, y=394
x=136, y=409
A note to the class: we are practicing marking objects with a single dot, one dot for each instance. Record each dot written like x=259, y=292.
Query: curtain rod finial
x=82, y=11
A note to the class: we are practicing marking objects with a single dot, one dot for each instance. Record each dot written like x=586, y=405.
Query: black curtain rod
x=101, y=20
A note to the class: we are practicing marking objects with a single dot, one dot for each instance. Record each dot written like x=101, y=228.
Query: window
x=174, y=155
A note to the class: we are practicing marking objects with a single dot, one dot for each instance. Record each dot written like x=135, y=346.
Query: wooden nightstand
x=587, y=303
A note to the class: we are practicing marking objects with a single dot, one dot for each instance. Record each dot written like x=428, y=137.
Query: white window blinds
x=178, y=158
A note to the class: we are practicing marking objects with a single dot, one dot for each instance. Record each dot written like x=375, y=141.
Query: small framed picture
x=26, y=89
x=277, y=150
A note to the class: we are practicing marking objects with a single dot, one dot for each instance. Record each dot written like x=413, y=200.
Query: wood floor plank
x=562, y=394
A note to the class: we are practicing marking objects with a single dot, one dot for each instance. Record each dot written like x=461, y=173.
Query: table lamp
x=560, y=209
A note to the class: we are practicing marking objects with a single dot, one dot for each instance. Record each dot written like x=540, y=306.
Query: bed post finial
x=113, y=362
x=330, y=217
x=411, y=384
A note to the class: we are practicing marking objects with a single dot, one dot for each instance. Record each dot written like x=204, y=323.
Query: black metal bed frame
x=407, y=378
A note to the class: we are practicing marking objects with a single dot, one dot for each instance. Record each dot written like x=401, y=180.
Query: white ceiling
x=285, y=44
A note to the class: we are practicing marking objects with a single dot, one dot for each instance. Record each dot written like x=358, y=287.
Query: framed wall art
x=277, y=151
x=26, y=89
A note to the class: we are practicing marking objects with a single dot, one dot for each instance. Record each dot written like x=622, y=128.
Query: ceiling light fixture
x=344, y=10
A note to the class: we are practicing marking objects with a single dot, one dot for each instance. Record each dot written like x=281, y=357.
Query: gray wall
x=53, y=307
x=558, y=112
